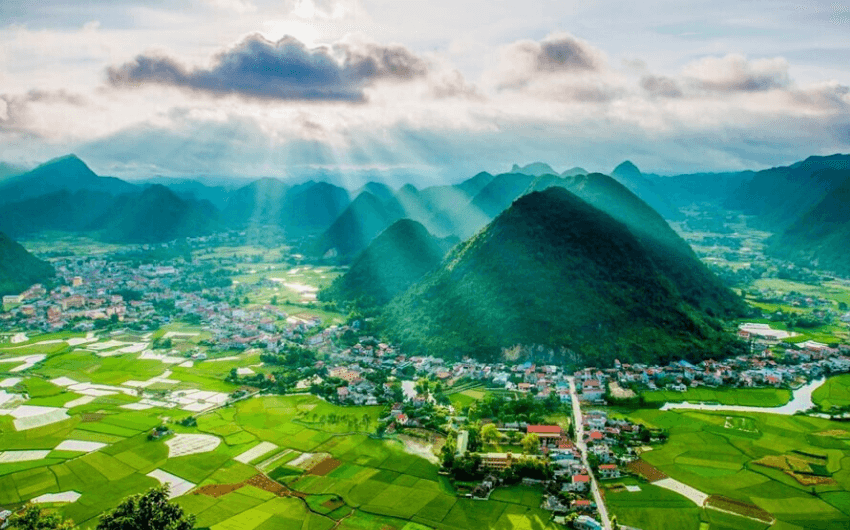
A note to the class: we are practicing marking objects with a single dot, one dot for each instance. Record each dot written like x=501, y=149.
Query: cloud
x=257, y=68
x=237, y=6
x=451, y=84
x=661, y=86
x=17, y=110
x=735, y=73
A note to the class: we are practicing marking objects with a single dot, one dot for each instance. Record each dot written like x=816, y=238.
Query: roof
x=544, y=429
x=581, y=478
x=608, y=466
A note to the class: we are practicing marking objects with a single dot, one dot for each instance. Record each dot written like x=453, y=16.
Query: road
x=579, y=431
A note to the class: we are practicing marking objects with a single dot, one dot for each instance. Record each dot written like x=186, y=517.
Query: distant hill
x=10, y=170
x=820, y=235
x=501, y=192
x=156, y=215
x=363, y=219
x=256, y=204
x=575, y=172
x=630, y=176
x=473, y=185
x=65, y=173
x=61, y=211
x=780, y=196
x=535, y=169
x=18, y=268
x=552, y=270
x=391, y=263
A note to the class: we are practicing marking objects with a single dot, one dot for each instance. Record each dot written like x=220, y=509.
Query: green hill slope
x=391, y=263
x=18, y=268
x=552, y=270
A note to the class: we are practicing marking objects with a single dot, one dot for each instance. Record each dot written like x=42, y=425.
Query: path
x=691, y=493
x=579, y=433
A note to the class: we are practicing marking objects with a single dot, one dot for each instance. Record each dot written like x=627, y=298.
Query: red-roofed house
x=609, y=471
x=549, y=435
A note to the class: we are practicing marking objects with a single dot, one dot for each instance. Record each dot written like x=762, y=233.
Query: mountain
x=574, y=172
x=630, y=176
x=8, y=171
x=552, y=270
x=312, y=207
x=65, y=173
x=60, y=211
x=363, y=219
x=781, y=195
x=378, y=189
x=18, y=268
x=391, y=263
x=694, y=281
x=156, y=215
x=820, y=235
x=257, y=204
x=535, y=169
x=501, y=192
x=473, y=185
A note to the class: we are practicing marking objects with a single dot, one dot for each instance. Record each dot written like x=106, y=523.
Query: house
x=607, y=471
x=549, y=435
x=497, y=461
x=583, y=522
x=579, y=483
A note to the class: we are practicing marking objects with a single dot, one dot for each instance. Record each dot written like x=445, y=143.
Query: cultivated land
x=101, y=452
x=720, y=454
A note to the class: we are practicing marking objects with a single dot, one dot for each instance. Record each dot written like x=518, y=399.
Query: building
x=549, y=435
x=607, y=471
x=497, y=461
x=583, y=522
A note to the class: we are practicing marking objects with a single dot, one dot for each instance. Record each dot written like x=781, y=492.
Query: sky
x=441, y=89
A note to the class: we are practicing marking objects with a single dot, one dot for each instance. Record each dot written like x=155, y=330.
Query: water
x=801, y=401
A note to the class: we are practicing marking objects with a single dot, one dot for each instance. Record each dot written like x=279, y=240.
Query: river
x=801, y=401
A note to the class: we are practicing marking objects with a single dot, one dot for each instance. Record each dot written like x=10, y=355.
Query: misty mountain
x=780, y=196
x=472, y=186
x=574, y=172
x=535, y=169
x=18, y=268
x=65, y=173
x=630, y=176
x=552, y=270
x=156, y=215
x=820, y=235
x=363, y=219
x=391, y=263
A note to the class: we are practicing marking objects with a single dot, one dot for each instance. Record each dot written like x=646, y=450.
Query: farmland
x=331, y=472
x=725, y=455
x=752, y=397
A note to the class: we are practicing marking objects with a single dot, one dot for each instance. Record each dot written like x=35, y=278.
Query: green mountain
x=820, y=235
x=780, y=195
x=259, y=203
x=363, y=219
x=18, y=268
x=65, y=173
x=501, y=192
x=575, y=172
x=535, y=169
x=391, y=263
x=156, y=215
x=694, y=281
x=630, y=176
x=60, y=211
x=473, y=185
x=553, y=270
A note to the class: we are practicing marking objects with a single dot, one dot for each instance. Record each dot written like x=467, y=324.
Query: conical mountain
x=630, y=176
x=65, y=173
x=363, y=219
x=18, y=268
x=391, y=263
x=535, y=169
x=552, y=270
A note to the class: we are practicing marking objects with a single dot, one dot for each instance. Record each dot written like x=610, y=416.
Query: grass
x=835, y=392
x=652, y=508
x=753, y=397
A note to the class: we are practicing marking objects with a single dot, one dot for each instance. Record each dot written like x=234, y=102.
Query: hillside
x=357, y=225
x=820, y=235
x=18, y=268
x=391, y=263
x=630, y=176
x=555, y=271
x=780, y=195
x=156, y=215
x=694, y=281
x=65, y=173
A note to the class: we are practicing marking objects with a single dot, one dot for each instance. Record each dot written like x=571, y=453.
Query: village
x=345, y=364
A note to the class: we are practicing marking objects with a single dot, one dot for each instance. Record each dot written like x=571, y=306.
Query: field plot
x=748, y=397
x=728, y=458
x=178, y=485
x=835, y=392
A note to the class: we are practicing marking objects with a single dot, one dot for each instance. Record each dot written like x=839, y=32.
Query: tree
x=489, y=433
x=147, y=511
x=531, y=443
x=34, y=518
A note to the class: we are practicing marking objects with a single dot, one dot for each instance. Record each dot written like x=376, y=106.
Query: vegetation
x=147, y=511
x=18, y=268
x=553, y=270
x=36, y=518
